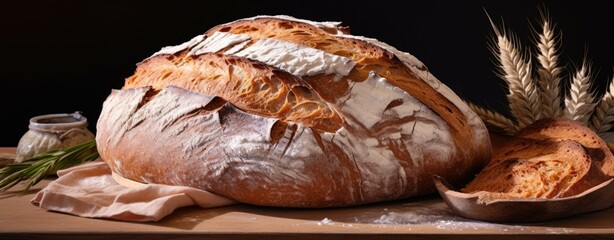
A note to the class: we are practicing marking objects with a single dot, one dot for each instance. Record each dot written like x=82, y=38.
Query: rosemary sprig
x=35, y=169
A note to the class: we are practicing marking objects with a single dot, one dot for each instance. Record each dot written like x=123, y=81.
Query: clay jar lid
x=58, y=122
x=53, y=131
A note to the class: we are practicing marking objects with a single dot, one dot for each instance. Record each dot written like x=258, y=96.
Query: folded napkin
x=89, y=190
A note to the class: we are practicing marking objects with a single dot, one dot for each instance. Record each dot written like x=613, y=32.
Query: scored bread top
x=247, y=62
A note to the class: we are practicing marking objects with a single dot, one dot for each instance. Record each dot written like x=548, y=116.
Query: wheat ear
x=603, y=116
x=579, y=103
x=495, y=119
x=522, y=94
x=548, y=71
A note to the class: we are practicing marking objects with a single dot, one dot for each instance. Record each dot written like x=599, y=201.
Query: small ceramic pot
x=52, y=131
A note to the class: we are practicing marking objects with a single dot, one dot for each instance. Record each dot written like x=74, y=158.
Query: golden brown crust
x=368, y=58
x=258, y=133
x=560, y=129
x=249, y=85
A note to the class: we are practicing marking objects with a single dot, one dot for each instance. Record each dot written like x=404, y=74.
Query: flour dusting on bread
x=299, y=113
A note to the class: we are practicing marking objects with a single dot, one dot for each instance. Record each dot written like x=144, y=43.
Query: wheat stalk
x=549, y=71
x=522, y=94
x=579, y=103
x=603, y=116
x=529, y=103
x=495, y=119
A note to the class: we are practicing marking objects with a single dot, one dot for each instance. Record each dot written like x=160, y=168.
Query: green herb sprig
x=35, y=169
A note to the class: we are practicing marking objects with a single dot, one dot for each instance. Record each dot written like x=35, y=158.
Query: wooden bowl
x=525, y=209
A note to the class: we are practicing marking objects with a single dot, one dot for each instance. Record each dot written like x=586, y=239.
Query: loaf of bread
x=279, y=111
x=552, y=158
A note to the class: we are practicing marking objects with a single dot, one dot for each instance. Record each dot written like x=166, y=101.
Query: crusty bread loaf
x=551, y=158
x=279, y=111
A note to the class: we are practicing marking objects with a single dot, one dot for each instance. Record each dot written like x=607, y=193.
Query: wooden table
x=425, y=218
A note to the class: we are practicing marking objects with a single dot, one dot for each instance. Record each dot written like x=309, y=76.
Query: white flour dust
x=428, y=213
x=325, y=221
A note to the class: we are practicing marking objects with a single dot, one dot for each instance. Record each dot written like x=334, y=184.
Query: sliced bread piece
x=549, y=159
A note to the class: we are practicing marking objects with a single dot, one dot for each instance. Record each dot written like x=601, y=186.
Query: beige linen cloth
x=89, y=190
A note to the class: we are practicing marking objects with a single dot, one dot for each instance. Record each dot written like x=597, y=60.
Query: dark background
x=66, y=56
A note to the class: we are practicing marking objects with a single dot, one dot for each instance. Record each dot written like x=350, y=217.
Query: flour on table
x=325, y=221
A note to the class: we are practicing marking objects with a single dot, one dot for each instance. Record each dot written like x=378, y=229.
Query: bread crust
x=559, y=129
x=551, y=158
x=221, y=113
